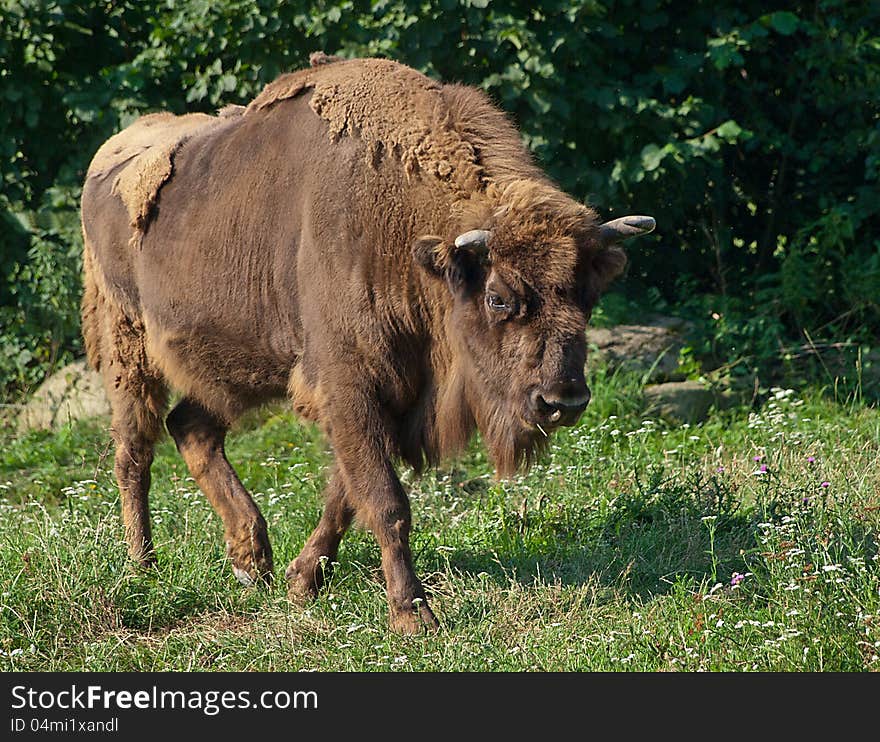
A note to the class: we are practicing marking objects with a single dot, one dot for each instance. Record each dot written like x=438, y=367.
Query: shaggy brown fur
x=305, y=246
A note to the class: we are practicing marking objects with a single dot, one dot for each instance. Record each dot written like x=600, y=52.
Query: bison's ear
x=608, y=264
x=459, y=264
x=431, y=253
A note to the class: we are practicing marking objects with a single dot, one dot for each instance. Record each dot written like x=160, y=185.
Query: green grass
x=618, y=552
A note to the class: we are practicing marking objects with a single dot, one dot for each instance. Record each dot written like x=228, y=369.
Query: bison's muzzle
x=558, y=404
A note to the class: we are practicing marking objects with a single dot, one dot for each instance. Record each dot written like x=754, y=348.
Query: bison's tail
x=115, y=342
x=90, y=308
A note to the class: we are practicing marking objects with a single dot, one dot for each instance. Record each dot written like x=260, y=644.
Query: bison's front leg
x=385, y=507
x=374, y=492
x=409, y=612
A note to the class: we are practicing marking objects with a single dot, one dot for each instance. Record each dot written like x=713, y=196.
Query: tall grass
x=748, y=542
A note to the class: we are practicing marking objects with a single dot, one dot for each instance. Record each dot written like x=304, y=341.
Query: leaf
x=652, y=156
x=729, y=131
x=673, y=83
x=783, y=22
x=228, y=83
x=538, y=103
x=511, y=35
x=652, y=21
x=724, y=54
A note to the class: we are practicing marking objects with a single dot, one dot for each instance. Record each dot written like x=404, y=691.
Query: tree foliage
x=750, y=130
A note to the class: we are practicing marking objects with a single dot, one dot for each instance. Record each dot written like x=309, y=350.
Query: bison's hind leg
x=200, y=437
x=305, y=574
x=138, y=399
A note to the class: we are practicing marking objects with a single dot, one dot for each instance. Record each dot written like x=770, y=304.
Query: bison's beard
x=512, y=446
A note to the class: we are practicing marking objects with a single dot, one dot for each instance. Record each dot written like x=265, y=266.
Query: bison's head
x=523, y=285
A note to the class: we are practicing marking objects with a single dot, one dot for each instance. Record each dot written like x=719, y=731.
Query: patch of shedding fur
x=353, y=96
x=146, y=150
x=231, y=111
x=318, y=58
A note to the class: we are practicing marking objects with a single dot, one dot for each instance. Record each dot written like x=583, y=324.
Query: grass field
x=749, y=542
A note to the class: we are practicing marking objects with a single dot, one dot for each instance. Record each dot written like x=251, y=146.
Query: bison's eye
x=498, y=303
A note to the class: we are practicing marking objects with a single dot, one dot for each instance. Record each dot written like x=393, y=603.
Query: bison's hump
x=391, y=107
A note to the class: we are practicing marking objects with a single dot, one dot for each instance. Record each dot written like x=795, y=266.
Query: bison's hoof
x=242, y=576
x=145, y=560
x=253, y=575
x=305, y=578
x=251, y=568
x=419, y=619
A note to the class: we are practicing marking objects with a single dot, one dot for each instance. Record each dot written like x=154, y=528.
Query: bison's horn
x=624, y=228
x=477, y=240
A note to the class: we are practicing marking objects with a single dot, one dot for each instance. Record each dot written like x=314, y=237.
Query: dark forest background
x=750, y=130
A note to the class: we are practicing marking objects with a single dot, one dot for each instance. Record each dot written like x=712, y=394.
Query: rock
x=73, y=393
x=652, y=348
x=679, y=401
x=733, y=397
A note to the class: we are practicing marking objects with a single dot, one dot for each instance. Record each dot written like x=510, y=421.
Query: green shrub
x=751, y=132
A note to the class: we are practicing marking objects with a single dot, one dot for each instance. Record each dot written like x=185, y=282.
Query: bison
x=374, y=245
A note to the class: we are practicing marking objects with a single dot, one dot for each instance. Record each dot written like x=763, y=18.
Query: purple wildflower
x=736, y=578
x=763, y=468
x=825, y=484
x=757, y=458
x=811, y=459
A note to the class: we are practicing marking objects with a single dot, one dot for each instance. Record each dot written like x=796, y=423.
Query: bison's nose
x=560, y=404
